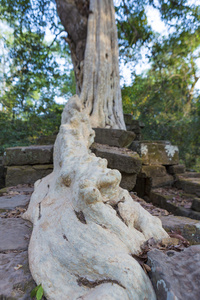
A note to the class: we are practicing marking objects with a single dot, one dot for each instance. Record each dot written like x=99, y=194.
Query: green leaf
x=34, y=291
x=39, y=293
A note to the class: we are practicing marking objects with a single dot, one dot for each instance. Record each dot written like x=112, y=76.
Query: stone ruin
x=86, y=228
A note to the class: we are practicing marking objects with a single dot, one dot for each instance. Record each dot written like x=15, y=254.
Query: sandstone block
x=163, y=201
x=26, y=174
x=158, y=175
x=128, y=181
x=124, y=160
x=32, y=155
x=46, y=140
x=189, y=184
x=175, y=275
x=176, y=169
x=188, y=228
x=156, y=152
x=114, y=137
x=13, y=233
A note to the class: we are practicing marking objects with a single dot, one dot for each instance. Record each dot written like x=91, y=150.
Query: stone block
x=156, y=152
x=26, y=174
x=158, y=175
x=176, y=169
x=175, y=275
x=2, y=176
x=15, y=284
x=196, y=204
x=46, y=140
x=128, y=181
x=143, y=186
x=114, y=137
x=189, y=184
x=121, y=159
x=32, y=155
x=163, y=201
x=188, y=228
x=14, y=234
x=11, y=202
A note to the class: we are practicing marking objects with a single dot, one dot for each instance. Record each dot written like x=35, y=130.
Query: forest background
x=160, y=71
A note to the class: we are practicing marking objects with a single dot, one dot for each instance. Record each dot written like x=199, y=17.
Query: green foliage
x=33, y=71
x=164, y=97
x=37, y=292
x=18, y=132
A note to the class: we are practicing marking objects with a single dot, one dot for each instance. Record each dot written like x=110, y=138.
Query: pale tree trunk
x=92, y=37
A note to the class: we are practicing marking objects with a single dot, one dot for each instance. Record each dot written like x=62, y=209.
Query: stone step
x=156, y=152
x=26, y=174
x=11, y=202
x=31, y=155
x=152, y=177
x=114, y=137
x=188, y=228
x=189, y=182
x=176, y=169
x=163, y=201
x=14, y=234
x=15, y=284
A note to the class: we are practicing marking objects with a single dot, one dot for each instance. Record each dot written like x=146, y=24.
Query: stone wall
x=28, y=164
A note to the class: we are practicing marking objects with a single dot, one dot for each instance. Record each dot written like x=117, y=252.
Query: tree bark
x=92, y=38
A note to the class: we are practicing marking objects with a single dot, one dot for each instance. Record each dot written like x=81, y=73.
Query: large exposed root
x=85, y=227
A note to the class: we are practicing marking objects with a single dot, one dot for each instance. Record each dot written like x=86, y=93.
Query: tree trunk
x=92, y=37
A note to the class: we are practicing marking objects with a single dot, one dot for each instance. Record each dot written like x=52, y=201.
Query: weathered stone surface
x=156, y=152
x=158, y=174
x=175, y=275
x=124, y=160
x=2, y=176
x=26, y=174
x=163, y=202
x=143, y=186
x=133, y=125
x=196, y=204
x=128, y=181
x=188, y=228
x=189, y=182
x=15, y=284
x=176, y=169
x=151, y=177
x=46, y=140
x=85, y=225
x=32, y=155
x=11, y=202
x=113, y=137
x=14, y=234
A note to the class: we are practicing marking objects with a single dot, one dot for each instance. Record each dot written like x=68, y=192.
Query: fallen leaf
x=18, y=267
